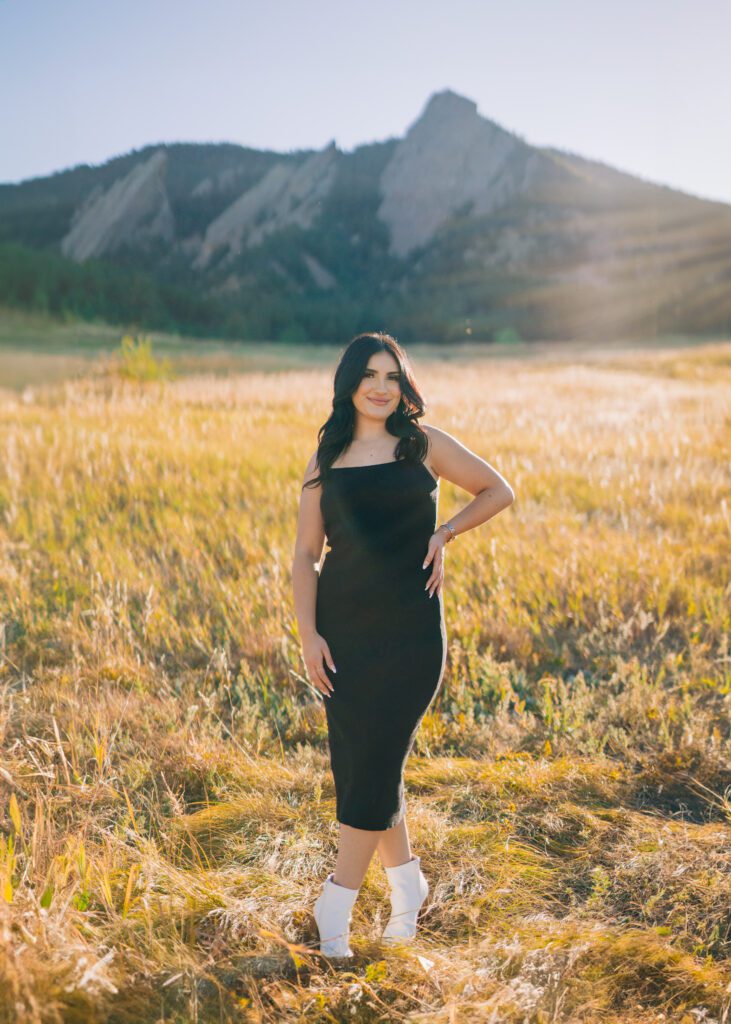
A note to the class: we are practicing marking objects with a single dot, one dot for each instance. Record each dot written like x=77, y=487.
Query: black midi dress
x=386, y=635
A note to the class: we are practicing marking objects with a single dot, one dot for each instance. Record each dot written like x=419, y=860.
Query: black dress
x=386, y=635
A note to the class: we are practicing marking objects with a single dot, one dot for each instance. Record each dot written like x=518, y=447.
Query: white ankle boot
x=332, y=915
x=409, y=889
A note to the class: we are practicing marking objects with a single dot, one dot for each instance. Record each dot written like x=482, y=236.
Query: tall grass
x=166, y=803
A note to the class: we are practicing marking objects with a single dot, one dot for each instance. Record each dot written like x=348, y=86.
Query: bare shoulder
x=456, y=462
x=311, y=471
x=439, y=441
x=431, y=433
x=434, y=434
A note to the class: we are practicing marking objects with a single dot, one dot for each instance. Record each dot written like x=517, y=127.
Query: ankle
x=343, y=885
x=401, y=862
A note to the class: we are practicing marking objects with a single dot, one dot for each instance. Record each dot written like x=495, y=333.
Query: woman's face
x=379, y=391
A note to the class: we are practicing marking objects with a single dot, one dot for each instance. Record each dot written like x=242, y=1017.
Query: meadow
x=166, y=803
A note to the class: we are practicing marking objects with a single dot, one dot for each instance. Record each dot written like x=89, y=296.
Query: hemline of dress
x=377, y=828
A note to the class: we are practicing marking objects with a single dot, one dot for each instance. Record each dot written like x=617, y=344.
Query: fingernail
x=432, y=594
x=424, y=566
x=334, y=669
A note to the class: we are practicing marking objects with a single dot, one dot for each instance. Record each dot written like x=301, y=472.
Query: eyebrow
x=391, y=373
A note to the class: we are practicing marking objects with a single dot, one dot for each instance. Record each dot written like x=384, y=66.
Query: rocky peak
x=451, y=156
x=445, y=107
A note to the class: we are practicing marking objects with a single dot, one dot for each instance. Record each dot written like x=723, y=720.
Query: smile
x=377, y=401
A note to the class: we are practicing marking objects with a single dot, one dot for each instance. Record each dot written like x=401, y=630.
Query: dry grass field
x=166, y=804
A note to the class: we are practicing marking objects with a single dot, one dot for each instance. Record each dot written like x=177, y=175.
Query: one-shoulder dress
x=386, y=635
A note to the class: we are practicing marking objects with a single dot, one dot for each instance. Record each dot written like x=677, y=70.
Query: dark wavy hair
x=336, y=433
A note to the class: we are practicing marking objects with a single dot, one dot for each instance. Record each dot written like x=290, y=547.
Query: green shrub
x=138, y=361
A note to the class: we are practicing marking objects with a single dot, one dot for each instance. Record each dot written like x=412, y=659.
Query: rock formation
x=319, y=274
x=451, y=156
x=135, y=209
x=287, y=194
x=459, y=226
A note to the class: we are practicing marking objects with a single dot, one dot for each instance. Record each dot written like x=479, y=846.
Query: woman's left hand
x=435, y=555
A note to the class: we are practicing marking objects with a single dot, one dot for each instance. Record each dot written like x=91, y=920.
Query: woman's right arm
x=308, y=550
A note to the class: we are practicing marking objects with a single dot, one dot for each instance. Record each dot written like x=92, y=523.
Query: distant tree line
x=46, y=282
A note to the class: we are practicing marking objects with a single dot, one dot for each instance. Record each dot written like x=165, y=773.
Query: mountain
x=451, y=158
x=459, y=229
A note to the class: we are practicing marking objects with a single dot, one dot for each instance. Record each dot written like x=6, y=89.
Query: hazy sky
x=644, y=85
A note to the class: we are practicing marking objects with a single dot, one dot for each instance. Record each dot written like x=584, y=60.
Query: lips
x=376, y=402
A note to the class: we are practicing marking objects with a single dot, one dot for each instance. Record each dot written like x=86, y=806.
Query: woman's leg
x=355, y=851
x=393, y=847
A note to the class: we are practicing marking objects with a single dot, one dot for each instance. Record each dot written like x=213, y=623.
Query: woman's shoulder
x=435, y=435
x=311, y=471
x=432, y=434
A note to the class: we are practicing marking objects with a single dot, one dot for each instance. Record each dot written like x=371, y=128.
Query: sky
x=642, y=85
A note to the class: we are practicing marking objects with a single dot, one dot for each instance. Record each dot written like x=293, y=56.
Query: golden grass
x=166, y=803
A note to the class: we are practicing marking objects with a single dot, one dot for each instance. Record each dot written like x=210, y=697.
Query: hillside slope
x=460, y=228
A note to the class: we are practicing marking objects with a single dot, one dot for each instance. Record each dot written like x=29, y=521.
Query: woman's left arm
x=492, y=492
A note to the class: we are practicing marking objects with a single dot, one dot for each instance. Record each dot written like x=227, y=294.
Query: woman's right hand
x=316, y=653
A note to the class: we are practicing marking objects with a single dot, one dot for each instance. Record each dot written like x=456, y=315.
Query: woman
x=372, y=622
